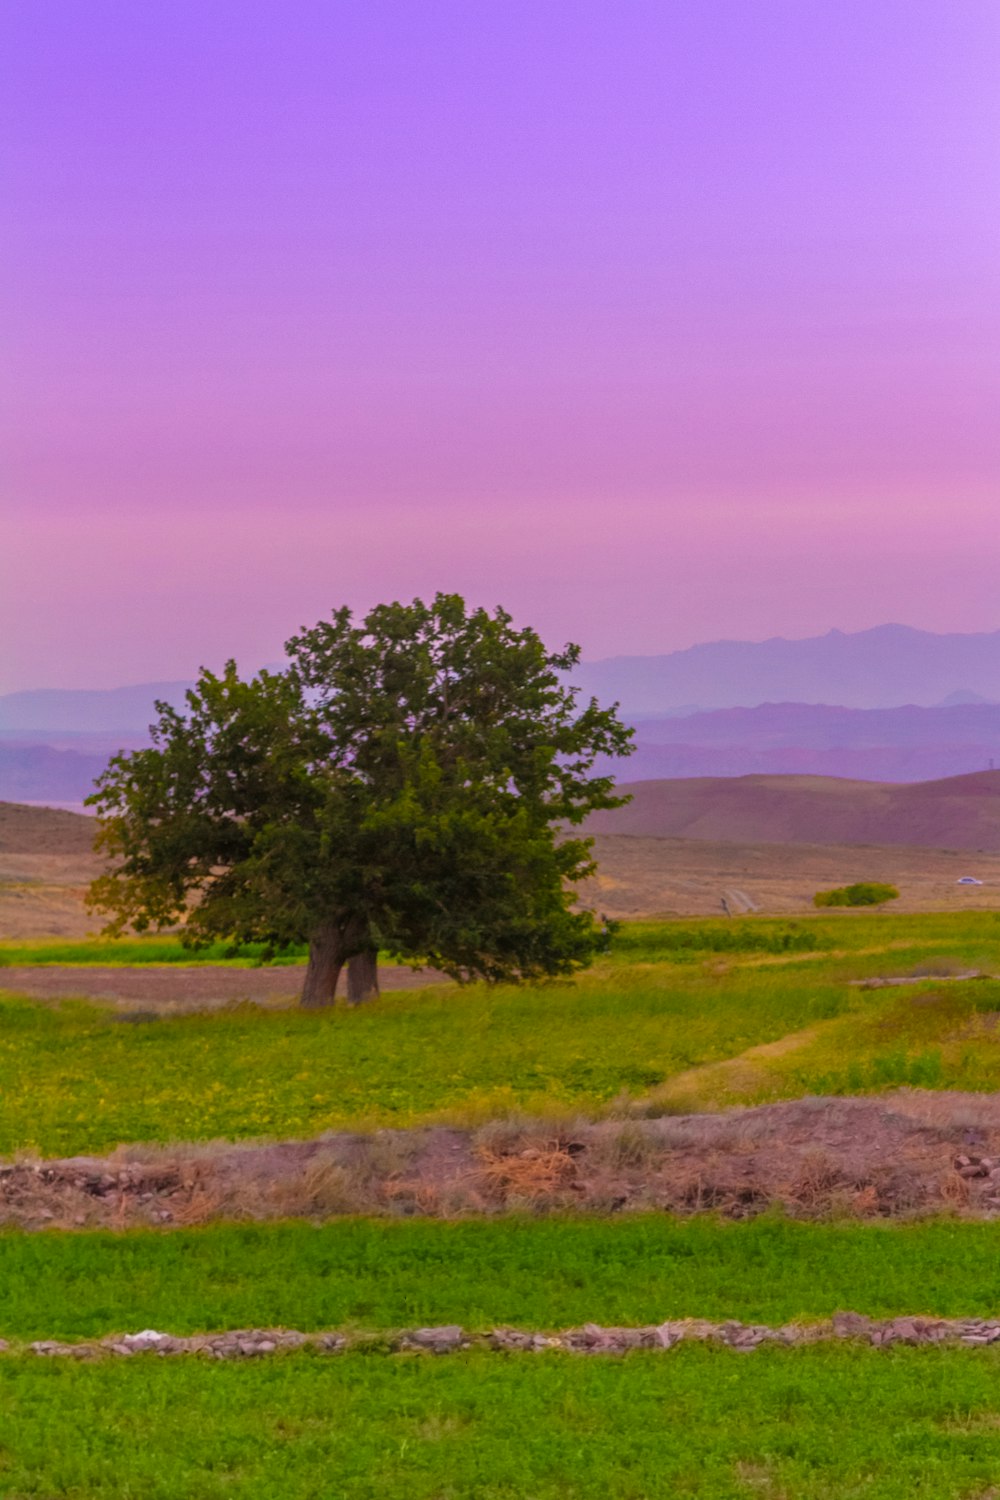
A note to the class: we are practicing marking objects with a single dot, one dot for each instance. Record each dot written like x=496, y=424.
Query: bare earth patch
x=649, y=877
x=171, y=989
x=902, y=1155
x=41, y=893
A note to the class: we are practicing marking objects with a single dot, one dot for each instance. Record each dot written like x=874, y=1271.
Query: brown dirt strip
x=173, y=988
x=590, y=1339
x=901, y=1155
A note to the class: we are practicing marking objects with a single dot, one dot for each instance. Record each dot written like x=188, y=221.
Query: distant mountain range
x=886, y=667
x=889, y=744
x=108, y=711
x=869, y=744
x=38, y=773
x=891, y=704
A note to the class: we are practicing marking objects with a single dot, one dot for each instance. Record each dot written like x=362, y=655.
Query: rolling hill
x=44, y=830
x=960, y=812
x=864, y=744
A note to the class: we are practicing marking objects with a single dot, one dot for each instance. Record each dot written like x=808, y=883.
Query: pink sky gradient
x=655, y=322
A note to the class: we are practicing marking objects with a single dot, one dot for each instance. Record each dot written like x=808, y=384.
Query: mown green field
x=800, y=1424
x=140, y=950
x=530, y=1273
x=77, y=1078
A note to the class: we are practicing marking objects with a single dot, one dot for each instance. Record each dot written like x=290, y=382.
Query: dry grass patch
x=533, y=1174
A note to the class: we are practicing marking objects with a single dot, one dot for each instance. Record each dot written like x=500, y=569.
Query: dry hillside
x=962, y=812
x=46, y=864
x=44, y=830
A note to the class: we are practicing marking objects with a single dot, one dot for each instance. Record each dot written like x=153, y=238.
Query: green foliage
x=861, y=893
x=822, y=1423
x=924, y=1037
x=406, y=782
x=532, y=1273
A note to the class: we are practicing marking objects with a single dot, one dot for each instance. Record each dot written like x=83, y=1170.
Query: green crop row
x=542, y=1273
x=139, y=951
x=817, y=1423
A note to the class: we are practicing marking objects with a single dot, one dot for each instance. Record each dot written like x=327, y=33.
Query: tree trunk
x=326, y=959
x=362, y=976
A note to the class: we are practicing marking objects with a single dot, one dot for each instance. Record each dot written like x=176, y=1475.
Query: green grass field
x=672, y=1018
x=139, y=950
x=538, y=1274
x=633, y=942
x=76, y=1078
x=81, y=1080
x=802, y=1424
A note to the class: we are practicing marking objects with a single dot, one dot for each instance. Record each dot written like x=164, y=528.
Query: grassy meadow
x=679, y=1015
x=671, y=1018
x=702, y=1422
x=127, y=952
x=546, y=1273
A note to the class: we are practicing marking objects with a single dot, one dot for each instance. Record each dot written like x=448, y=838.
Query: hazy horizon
x=657, y=325
x=249, y=668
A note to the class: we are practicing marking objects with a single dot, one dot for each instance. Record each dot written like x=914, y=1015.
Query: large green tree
x=409, y=782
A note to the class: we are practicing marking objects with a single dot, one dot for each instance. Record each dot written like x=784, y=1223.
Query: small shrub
x=861, y=893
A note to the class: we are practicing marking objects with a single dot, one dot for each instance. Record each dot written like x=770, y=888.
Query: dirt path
x=707, y=1083
x=173, y=988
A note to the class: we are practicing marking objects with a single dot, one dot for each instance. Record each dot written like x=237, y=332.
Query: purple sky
x=655, y=320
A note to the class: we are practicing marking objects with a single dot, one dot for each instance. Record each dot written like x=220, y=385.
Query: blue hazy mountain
x=885, y=667
x=891, y=704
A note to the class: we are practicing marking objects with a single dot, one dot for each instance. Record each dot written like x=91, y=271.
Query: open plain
x=643, y=877
x=47, y=861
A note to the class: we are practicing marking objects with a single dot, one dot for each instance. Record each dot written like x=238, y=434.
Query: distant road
x=738, y=903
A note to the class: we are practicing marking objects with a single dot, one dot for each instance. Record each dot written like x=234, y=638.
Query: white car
x=968, y=880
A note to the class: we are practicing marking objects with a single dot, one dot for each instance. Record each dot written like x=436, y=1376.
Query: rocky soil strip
x=900, y=1155
x=890, y=981
x=590, y=1339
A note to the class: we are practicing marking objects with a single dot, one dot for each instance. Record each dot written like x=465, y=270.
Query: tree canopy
x=408, y=782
